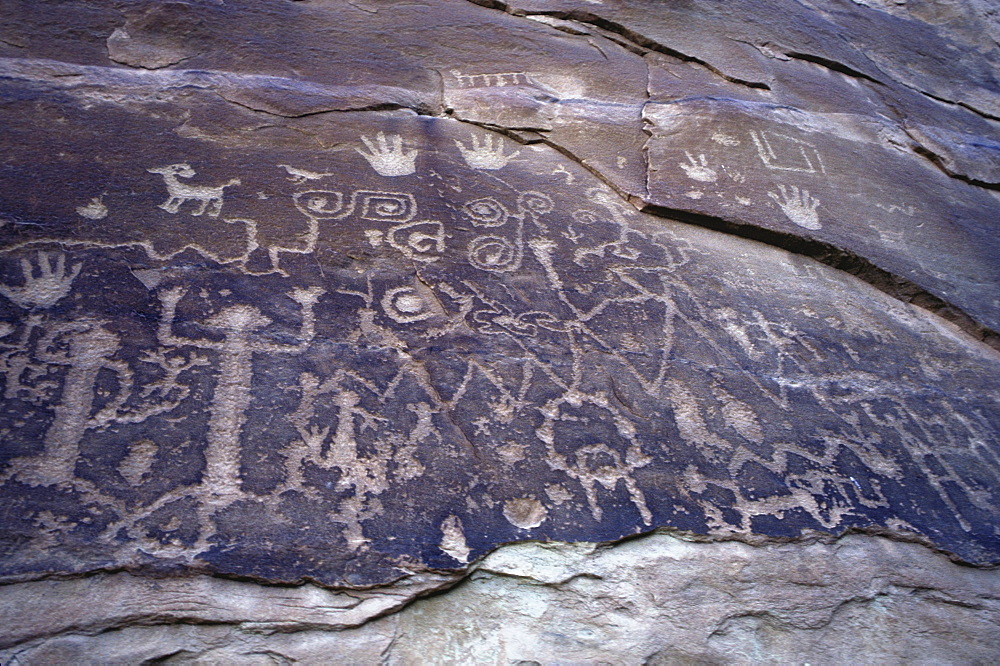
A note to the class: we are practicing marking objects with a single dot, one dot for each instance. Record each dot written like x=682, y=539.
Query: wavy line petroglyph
x=501, y=335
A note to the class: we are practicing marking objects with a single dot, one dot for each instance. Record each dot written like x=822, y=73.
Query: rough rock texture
x=654, y=599
x=352, y=293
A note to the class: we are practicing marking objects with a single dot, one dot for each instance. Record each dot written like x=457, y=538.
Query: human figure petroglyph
x=685, y=378
x=698, y=169
x=327, y=447
x=84, y=349
x=51, y=284
x=798, y=206
x=387, y=155
x=484, y=155
x=238, y=324
x=209, y=198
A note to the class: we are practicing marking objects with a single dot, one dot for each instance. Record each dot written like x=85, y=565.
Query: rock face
x=655, y=600
x=355, y=293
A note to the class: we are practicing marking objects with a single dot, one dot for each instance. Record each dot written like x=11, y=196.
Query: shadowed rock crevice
x=655, y=598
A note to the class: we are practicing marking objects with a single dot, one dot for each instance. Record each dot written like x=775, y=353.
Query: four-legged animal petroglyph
x=603, y=365
x=209, y=198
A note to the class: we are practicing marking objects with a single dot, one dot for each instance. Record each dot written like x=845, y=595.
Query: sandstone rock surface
x=347, y=295
x=654, y=599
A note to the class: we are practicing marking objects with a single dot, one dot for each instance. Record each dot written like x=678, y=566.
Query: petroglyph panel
x=346, y=364
x=833, y=178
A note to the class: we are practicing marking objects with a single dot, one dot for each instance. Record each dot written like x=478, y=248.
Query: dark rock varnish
x=243, y=336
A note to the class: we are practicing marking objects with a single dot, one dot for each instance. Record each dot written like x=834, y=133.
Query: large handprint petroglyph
x=798, y=206
x=387, y=155
x=500, y=357
x=46, y=286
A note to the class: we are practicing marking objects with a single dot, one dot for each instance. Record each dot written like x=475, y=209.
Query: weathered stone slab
x=831, y=178
x=654, y=599
x=349, y=346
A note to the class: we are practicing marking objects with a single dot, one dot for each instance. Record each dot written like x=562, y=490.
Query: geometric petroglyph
x=780, y=152
x=407, y=379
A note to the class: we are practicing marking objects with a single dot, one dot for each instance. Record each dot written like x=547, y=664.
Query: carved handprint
x=698, y=169
x=389, y=160
x=45, y=289
x=486, y=155
x=798, y=206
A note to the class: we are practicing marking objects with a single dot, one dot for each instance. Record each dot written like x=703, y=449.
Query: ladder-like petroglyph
x=390, y=377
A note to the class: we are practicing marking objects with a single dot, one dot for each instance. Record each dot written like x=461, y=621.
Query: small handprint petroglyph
x=47, y=288
x=387, y=156
x=485, y=155
x=698, y=169
x=798, y=206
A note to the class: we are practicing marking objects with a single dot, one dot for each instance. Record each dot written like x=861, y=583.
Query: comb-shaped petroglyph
x=491, y=80
x=494, y=358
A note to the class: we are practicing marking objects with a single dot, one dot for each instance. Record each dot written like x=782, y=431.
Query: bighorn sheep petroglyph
x=183, y=192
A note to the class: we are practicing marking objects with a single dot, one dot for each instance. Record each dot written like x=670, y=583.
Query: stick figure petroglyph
x=698, y=169
x=387, y=155
x=798, y=206
x=46, y=289
x=238, y=325
x=210, y=198
x=485, y=155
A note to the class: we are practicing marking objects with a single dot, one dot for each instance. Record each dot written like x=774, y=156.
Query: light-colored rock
x=657, y=599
